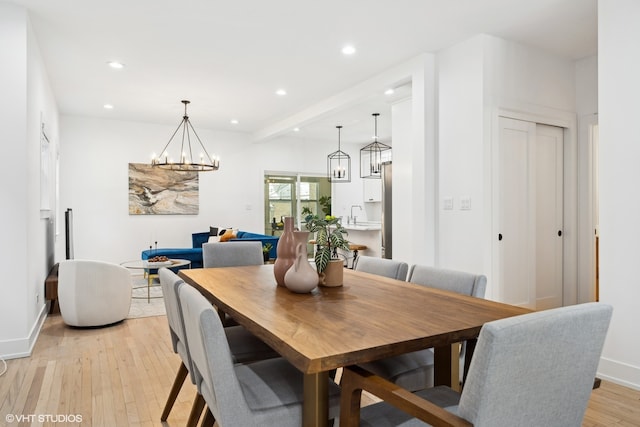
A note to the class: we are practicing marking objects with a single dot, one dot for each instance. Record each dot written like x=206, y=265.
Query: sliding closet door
x=530, y=212
x=549, y=212
x=516, y=227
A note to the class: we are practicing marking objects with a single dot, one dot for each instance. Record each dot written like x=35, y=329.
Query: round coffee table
x=151, y=269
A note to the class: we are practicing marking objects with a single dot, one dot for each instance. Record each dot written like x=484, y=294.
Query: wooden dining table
x=370, y=317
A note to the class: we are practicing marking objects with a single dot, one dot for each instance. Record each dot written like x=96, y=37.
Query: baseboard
x=619, y=373
x=23, y=347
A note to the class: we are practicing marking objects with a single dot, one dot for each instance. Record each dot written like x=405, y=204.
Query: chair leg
x=596, y=383
x=196, y=411
x=175, y=389
x=208, y=420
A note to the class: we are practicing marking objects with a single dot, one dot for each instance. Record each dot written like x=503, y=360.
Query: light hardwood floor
x=121, y=376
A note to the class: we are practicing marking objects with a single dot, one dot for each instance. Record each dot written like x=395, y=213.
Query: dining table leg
x=316, y=400
x=468, y=355
x=446, y=366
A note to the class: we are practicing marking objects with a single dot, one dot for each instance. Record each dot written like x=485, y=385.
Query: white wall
x=42, y=111
x=519, y=76
x=586, y=70
x=461, y=156
x=402, y=118
x=415, y=169
x=13, y=104
x=25, y=97
x=618, y=111
x=587, y=112
x=94, y=182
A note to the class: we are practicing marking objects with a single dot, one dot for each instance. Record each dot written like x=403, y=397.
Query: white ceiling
x=229, y=57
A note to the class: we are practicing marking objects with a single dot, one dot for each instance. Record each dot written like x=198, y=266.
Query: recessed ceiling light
x=234, y=122
x=281, y=92
x=115, y=64
x=108, y=106
x=389, y=91
x=348, y=50
x=296, y=129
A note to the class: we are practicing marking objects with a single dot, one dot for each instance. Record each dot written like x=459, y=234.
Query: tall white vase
x=301, y=277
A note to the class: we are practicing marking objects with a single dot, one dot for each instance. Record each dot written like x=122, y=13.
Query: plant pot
x=333, y=274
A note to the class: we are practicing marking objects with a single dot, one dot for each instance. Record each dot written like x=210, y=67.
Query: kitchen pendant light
x=184, y=152
x=373, y=155
x=339, y=164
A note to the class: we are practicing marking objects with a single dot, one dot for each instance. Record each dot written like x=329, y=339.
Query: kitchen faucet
x=353, y=217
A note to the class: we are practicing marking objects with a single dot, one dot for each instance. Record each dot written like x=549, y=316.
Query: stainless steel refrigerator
x=386, y=211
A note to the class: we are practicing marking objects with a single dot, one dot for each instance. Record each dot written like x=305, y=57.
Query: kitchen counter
x=367, y=234
x=363, y=226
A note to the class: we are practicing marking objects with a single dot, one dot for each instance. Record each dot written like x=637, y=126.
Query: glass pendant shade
x=180, y=156
x=339, y=164
x=373, y=155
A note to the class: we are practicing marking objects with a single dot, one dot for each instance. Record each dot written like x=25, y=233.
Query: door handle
x=500, y=237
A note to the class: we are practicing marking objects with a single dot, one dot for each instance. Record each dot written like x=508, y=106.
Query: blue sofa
x=194, y=254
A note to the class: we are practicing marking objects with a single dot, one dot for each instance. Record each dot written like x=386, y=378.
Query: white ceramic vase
x=301, y=277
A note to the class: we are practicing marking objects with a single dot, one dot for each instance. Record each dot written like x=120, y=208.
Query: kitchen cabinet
x=372, y=190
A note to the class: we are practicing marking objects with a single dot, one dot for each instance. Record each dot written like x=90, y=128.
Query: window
x=289, y=195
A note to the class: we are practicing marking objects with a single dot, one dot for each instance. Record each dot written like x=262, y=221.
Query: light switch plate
x=465, y=203
x=447, y=203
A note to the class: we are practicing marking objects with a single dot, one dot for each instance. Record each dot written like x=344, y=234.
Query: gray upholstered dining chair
x=414, y=371
x=535, y=369
x=231, y=254
x=382, y=267
x=450, y=280
x=265, y=393
x=245, y=347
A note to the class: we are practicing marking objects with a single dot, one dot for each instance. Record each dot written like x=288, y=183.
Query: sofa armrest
x=198, y=239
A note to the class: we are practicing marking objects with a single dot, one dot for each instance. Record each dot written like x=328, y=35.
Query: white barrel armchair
x=93, y=293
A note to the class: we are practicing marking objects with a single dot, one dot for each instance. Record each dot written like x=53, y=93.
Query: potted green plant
x=329, y=236
x=266, y=248
x=306, y=211
x=325, y=203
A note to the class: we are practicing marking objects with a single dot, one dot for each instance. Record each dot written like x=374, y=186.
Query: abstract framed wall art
x=156, y=191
